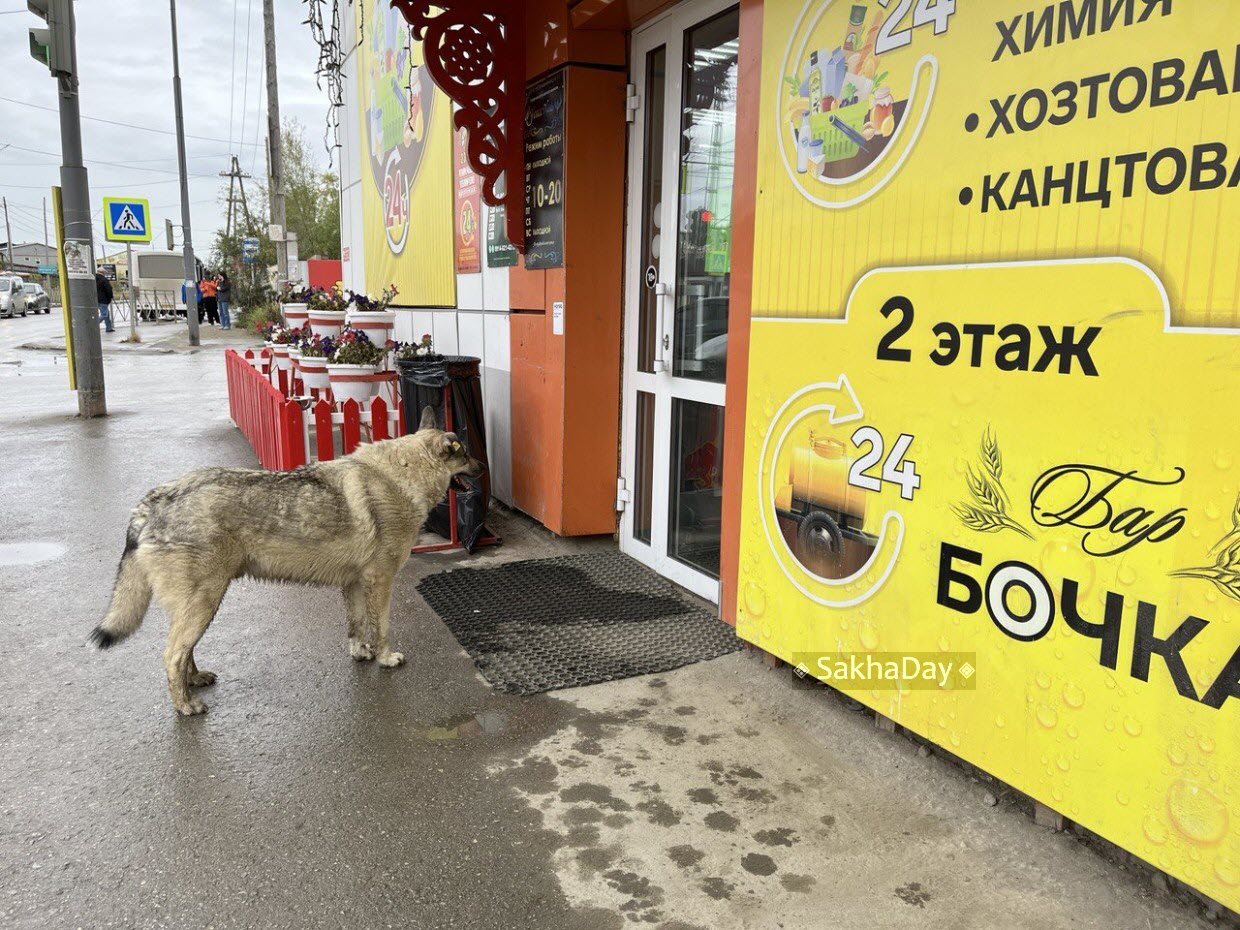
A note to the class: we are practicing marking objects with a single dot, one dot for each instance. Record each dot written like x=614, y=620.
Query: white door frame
x=666, y=30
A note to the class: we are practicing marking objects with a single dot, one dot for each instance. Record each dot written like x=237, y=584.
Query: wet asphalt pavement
x=310, y=795
x=319, y=792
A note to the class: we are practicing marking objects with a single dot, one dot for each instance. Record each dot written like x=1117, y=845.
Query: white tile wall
x=469, y=331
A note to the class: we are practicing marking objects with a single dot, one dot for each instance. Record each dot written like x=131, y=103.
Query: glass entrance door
x=678, y=270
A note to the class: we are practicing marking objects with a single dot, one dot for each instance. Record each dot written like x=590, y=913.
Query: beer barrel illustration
x=819, y=497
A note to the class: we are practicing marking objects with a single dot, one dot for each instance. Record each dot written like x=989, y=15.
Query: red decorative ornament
x=475, y=53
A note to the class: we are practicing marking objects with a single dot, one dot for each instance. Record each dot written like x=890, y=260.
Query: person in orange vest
x=209, y=301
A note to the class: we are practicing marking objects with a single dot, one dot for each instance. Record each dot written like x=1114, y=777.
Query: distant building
x=27, y=256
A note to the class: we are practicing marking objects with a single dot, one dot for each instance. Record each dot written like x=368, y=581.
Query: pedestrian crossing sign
x=127, y=219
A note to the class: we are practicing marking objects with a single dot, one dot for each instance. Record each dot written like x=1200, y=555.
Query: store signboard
x=468, y=210
x=544, y=173
x=500, y=252
x=993, y=365
x=406, y=145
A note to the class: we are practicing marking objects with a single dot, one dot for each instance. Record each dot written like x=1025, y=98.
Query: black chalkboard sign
x=544, y=173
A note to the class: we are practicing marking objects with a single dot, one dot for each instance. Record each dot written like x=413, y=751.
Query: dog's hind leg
x=199, y=679
x=379, y=610
x=191, y=614
x=359, y=626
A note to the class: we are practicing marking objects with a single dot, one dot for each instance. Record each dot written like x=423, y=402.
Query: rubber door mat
x=544, y=624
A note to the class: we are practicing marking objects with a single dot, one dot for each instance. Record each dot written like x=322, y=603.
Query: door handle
x=662, y=342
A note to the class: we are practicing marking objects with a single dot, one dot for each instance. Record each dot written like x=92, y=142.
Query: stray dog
x=349, y=523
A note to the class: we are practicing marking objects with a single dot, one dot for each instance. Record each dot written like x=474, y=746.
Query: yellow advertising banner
x=992, y=467
x=407, y=180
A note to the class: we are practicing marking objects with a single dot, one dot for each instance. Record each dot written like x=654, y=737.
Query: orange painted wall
x=594, y=237
x=566, y=389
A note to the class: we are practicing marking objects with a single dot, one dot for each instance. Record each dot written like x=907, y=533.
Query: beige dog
x=349, y=523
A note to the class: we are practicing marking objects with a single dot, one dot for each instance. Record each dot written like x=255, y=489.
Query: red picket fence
x=286, y=431
x=271, y=423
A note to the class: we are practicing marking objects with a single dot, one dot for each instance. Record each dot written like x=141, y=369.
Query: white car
x=12, y=297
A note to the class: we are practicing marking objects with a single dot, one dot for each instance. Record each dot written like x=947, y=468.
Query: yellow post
x=64, y=278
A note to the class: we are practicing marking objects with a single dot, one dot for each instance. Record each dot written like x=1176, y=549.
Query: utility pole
x=275, y=158
x=56, y=46
x=228, y=220
x=191, y=271
x=48, y=255
x=236, y=182
x=8, y=232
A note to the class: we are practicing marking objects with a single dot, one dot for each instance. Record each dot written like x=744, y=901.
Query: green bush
x=256, y=317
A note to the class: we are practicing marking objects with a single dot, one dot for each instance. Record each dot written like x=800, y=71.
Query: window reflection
x=695, y=501
x=707, y=154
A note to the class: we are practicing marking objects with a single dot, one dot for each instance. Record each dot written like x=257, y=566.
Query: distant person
x=210, y=303
x=103, y=292
x=223, y=295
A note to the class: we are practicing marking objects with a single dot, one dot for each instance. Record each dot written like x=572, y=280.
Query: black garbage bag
x=422, y=385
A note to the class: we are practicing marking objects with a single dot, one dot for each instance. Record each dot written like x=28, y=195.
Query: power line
x=245, y=91
x=232, y=77
x=45, y=187
x=112, y=122
x=93, y=161
x=258, y=132
x=56, y=164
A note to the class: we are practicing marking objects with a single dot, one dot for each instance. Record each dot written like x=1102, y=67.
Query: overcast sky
x=125, y=70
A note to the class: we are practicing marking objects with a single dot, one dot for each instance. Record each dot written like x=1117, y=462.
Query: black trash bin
x=451, y=385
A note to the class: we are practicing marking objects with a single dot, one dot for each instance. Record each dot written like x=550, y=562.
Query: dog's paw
x=201, y=680
x=191, y=708
x=392, y=659
x=360, y=651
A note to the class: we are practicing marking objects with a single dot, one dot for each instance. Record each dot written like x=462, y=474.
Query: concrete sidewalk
x=163, y=337
x=318, y=792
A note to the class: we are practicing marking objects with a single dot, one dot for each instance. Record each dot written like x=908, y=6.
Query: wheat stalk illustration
x=1225, y=572
x=988, y=511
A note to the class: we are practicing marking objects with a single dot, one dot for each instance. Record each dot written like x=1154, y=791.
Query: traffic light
x=171, y=237
x=54, y=45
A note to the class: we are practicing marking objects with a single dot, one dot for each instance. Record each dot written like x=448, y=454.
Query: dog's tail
x=131, y=595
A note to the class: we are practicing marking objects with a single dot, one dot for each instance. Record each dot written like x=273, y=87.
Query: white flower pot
x=313, y=372
x=326, y=323
x=354, y=382
x=280, y=356
x=295, y=315
x=378, y=325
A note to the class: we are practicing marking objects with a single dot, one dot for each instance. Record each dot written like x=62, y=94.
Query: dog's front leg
x=379, y=610
x=359, y=626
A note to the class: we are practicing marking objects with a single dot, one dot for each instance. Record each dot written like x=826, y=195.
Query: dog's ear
x=428, y=418
x=451, y=445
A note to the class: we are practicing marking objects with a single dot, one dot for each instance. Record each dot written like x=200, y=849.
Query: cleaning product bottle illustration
x=815, y=82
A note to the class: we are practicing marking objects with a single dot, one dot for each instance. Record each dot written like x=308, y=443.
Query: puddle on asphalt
x=29, y=553
x=491, y=721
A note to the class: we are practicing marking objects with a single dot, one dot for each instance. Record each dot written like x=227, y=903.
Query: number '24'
x=895, y=470
x=925, y=12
